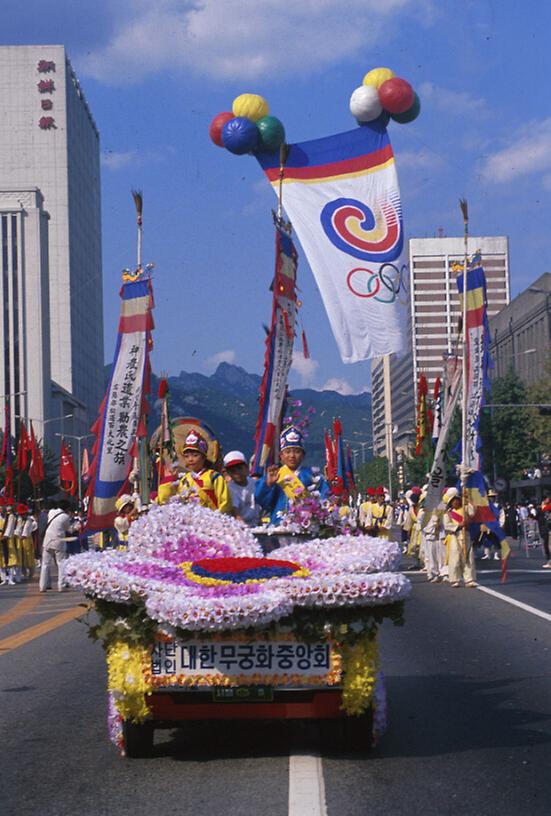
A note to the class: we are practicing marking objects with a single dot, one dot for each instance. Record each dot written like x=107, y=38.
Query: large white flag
x=341, y=194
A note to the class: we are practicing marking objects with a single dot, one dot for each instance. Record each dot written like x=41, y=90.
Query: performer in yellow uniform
x=459, y=546
x=201, y=480
x=379, y=519
x=365, y=508
x=412, y=526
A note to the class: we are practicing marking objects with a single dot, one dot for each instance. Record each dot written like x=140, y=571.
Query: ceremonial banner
x=437, y=477
x=279, y=354
x=437, y=410
x=341, y=194
x=117, y=424
x=422, y=418
x=478, y=338
x=68, y=479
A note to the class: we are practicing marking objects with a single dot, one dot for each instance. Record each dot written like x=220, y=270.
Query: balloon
x=240, y=135
x=411, y=113
x=272, y=133
x=396, y=95
x=215, y=129
x=377, y=76
x=252, y=106
x=365, y=104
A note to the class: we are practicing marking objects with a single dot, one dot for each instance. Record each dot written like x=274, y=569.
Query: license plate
x=243, y=694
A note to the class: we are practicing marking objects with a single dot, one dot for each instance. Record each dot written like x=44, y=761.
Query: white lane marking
x=532, y=609
x=306, y=786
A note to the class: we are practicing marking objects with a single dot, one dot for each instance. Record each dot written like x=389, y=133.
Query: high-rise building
x=520, y=334
x=49, y=144
x=434, y=316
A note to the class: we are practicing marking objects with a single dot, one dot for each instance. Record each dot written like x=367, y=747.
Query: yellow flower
x=129, y=680
x=360, y=666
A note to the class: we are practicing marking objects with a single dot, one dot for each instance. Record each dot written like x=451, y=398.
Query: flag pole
x=465, y=212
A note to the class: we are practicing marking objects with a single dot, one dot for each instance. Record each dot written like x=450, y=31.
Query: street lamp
x=79, y=476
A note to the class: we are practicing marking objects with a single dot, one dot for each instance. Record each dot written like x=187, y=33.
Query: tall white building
x=49, y=144
x=434, y=316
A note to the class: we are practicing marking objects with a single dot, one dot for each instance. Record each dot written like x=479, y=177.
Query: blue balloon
x=240, y=135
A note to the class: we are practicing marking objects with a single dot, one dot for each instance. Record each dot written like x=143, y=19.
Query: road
x=469, y=682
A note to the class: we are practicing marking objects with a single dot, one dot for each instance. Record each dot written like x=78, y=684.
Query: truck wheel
x=138, y=739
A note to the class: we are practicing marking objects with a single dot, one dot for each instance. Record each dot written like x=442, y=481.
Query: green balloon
x=411, y=113
x=272, y=134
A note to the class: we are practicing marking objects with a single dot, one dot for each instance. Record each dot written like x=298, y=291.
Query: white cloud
x=114, y=160
x=305, y=367
x=228, y=356
x=530, y=152
x=241, y=39
x=342, y=386
x=453, y=102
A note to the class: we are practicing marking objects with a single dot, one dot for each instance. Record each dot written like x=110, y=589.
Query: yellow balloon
x=377, y=76
x=250, y=105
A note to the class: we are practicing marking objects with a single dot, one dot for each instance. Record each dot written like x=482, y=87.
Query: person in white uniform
x=242, y=489
x=54, y=545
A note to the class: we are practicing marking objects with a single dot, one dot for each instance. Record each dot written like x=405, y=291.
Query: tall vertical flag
x=422, y=417
x=117, y=425
x=437, y=476
x=341, y=194
x=279, y=353
x=23, y=449
x=437, y=409
x=478, y=356
x=36, y=469
x=6, y=454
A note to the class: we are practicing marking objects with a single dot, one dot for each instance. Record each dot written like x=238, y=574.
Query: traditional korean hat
x=291, y=437
x=371, y=492
x=122, y=501
x=195, y=442
x=451, y=493
x=380, y=491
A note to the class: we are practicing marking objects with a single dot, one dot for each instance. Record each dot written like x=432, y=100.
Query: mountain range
x=228, y=401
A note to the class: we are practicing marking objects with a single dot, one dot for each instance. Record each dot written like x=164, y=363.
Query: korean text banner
x=341, y=194
x=279, y=354
x=117, y=425
x=478, y=358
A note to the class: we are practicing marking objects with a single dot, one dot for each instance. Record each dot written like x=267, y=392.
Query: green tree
x=507, y=433
x=374, y=473
x=540, y=418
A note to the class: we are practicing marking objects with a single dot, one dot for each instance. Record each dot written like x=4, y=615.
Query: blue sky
x=156, y=71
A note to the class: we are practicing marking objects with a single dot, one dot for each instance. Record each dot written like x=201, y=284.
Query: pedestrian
x=242, y=488
x=544, y=522
x=54, y=545
x=458, y=540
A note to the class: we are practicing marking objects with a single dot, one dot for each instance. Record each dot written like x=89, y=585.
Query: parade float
x=198, y=625
x=198, y=622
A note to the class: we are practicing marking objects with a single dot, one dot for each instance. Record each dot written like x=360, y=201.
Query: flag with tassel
x=422, y=419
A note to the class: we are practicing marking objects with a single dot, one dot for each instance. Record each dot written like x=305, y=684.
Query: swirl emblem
x=365, y=233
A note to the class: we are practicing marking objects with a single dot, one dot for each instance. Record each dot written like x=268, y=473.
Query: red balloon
x=396, y=95
x=215, y=129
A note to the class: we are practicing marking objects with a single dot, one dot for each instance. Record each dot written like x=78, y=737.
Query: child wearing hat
x=242, y=488
x=290, y=480
x=202, y=480
x=126, y=514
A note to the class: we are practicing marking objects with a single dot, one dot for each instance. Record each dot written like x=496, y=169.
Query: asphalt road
x=469, y=682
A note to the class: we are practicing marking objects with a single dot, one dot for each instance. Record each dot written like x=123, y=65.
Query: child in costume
x=126, y=514
x=290, y=480
x=201, y=480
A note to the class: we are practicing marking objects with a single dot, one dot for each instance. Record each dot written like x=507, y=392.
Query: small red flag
x=36, y=470
x=67, y=472
x=23, y=449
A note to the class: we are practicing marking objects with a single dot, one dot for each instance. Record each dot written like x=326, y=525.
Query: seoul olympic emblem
x=368, y=233
x=383, y=286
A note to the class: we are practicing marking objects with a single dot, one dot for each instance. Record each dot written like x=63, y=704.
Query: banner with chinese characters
x=477, y=333
x=117, y=424
x=341, y=194
x=215, y=662
x=279, y=353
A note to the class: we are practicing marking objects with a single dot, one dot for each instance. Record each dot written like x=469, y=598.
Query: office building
x=49, y=173
x=520, y=334
x=434, y=316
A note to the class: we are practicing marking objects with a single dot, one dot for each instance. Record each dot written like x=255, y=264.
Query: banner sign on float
x=117, y=424
x=437, y=477
x=279, y=353
x=478, y=356
x=341, y=194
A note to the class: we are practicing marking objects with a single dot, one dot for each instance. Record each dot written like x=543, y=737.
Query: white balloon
x=365, y=104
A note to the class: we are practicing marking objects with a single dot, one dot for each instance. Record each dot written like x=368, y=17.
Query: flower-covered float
x=192, y=615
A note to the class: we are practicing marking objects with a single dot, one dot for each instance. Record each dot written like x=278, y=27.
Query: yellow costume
x=209, y=485
x=459, y=548
x=380, y=520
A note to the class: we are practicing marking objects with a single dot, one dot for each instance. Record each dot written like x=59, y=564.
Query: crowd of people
x=437, y=541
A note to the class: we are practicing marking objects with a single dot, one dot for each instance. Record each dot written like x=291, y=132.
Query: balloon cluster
x=383, y=94
x=248, y=127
